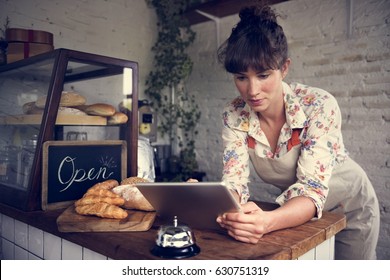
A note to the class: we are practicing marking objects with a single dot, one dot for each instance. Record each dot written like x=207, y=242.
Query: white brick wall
x=354, y=68
x=117, y=28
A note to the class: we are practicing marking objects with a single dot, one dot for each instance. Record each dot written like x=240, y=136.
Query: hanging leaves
x=172, y=66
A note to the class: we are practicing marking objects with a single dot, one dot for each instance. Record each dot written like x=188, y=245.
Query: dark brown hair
x=256, y=42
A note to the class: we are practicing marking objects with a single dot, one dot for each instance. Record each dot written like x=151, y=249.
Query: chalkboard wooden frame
x=99, y=161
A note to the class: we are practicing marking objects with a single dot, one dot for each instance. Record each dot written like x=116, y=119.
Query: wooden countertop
x=283, y=244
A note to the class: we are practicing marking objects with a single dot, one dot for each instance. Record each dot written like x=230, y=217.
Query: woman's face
x=262, y=91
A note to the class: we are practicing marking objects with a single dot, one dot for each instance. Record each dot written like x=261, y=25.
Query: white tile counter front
x=20, y=241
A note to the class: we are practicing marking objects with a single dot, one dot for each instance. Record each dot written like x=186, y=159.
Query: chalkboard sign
x=70, y=168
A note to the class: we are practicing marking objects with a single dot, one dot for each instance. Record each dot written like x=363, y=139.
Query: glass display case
x=33, y=111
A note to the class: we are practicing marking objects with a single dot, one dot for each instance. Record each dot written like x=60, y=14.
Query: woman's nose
x=254, y=87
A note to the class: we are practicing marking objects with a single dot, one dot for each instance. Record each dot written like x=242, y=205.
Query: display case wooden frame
x=30, y=199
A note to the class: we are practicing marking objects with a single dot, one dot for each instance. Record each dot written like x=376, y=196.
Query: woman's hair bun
x=258, y=14
x=257, y=42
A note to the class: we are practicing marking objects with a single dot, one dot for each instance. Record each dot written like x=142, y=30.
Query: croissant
x=103, y=210
x=92, y=199
x=100, y=192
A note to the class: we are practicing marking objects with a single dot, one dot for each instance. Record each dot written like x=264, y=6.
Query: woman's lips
x=256, y=102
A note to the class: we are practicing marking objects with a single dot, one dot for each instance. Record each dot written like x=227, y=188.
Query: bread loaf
x=100, y=109
x=117, y=118
x=68, y=99
x=71, y=99
x=133, y=181
x=133, y=197
x=103, y=210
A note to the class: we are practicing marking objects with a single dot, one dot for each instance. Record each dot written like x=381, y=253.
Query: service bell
x=175, y=242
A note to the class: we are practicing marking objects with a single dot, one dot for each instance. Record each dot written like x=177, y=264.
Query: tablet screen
x=196, y=204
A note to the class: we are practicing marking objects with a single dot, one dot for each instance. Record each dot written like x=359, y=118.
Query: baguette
x=133, y=180
x=103, y=210
x=133, y=197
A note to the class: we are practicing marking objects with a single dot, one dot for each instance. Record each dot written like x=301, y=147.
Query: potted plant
x=3, y=43
x=176, y=109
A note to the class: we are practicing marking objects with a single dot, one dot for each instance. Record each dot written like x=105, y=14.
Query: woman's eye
x=240, y=78
x=263, y=76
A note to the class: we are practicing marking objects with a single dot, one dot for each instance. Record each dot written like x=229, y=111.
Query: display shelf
x=100, y=79
x=61, y=120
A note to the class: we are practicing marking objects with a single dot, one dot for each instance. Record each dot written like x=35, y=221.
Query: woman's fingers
x=246, y=226
x=244, y=236
x=241, y=233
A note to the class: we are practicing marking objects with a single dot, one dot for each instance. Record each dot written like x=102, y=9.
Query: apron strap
x=251, y=142
x=294, y=140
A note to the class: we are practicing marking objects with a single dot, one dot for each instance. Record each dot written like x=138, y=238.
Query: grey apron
x=350, y=192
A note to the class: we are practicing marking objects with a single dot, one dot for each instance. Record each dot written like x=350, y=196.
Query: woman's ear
x=285, y=67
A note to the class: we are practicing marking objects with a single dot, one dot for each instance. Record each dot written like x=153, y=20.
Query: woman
x=292, y=136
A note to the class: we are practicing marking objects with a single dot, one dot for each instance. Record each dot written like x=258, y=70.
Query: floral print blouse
x=315, y=114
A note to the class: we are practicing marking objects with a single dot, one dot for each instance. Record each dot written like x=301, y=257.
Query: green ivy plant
x=3, y=42
x=175, y=107
x=4, y=29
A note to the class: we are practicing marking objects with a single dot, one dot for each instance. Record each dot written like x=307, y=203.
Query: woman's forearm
x=293, y=213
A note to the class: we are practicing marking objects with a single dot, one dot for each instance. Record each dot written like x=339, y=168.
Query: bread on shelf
x=100, y=109
x=68, y=99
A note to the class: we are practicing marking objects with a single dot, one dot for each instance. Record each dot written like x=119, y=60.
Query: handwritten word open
x=78, y=175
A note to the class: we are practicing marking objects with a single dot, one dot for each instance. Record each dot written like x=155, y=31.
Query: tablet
x=196, y=204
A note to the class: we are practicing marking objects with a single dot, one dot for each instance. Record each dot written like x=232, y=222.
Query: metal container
x=146, y=168
x=162, y=156
x=9, y=164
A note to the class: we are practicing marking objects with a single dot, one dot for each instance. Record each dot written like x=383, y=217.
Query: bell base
x=175, y=253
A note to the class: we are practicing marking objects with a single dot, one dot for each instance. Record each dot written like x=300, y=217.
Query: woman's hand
x=252, y=223
x=248, y=226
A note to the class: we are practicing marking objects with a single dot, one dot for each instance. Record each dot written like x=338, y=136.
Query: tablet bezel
x=194, y=203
